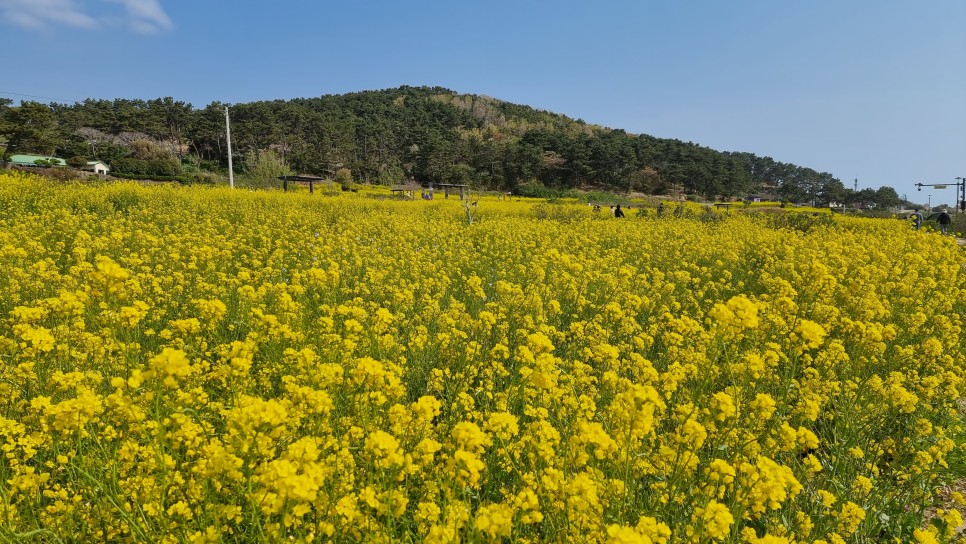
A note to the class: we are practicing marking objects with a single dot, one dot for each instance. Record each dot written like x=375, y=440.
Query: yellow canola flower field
x=202, y=365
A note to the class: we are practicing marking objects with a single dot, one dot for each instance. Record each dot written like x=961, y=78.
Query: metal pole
x=231, y=171
x=962, y=189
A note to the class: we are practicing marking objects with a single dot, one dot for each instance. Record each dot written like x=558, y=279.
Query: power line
x=35, y=96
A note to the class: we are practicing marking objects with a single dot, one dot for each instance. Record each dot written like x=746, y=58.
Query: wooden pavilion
x=407, y=190
x=303, y=178
x=447, y=187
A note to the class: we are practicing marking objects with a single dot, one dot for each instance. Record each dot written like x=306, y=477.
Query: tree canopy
x=429, y=134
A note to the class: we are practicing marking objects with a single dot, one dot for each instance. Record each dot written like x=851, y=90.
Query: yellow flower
x=495, y=520
x=850, y=517
x=809, y=334
x=384, y=448
x=364, y=369
x=503, y=425
x=715, y=520
x=927, y=536
x=723, y=406
x=470, y=437
x=171, y=365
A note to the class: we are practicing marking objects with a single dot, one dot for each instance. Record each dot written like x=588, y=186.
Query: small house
x=97, y=167
x=42, y=161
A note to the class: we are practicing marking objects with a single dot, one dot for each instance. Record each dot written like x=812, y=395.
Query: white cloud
x=38, y=14
x=143, y=16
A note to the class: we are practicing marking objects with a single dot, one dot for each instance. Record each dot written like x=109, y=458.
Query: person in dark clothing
x=618, y=212
x=944, y=221
x=917, y=218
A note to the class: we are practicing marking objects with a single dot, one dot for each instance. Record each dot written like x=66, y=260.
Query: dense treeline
x=429, y=134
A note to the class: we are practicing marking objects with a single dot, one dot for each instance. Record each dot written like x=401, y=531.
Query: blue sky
x=867, y=90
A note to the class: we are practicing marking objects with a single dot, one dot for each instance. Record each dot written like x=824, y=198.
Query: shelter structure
x=407, y=190
x=303, y=178
x=447, y=187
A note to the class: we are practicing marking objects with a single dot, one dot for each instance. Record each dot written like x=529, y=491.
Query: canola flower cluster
x=200, y=365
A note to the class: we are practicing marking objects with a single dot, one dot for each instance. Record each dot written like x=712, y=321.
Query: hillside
x=429, y=134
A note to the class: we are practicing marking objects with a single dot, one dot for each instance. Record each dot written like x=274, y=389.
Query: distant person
x=917, y=217
x=660, y=209
x=944, y=221
x=618, y=212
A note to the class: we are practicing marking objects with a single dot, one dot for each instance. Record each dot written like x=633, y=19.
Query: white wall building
x=97, y=167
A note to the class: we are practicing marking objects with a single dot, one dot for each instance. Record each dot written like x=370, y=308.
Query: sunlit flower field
x=201, y=365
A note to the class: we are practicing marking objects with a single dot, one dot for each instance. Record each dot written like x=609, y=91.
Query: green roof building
x=31, y=160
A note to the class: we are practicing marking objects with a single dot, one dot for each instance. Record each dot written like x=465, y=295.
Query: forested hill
x=389, y=136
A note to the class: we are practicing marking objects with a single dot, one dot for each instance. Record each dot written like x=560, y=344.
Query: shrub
x=77, y=161
x=200, y=178
x=558, y=212
x=535, y=189
x=803, y=222
x=343, y=176
x=147, y=167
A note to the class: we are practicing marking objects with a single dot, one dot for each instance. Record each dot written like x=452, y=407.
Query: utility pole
x=231, y=171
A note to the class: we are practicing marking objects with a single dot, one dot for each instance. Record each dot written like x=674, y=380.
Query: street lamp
x=960, y=196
